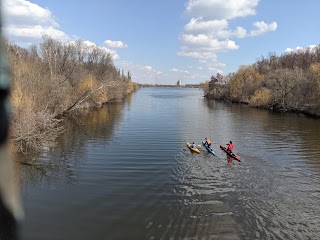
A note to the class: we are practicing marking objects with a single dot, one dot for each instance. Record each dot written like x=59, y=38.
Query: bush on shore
x=57, y=78
x=290, y=82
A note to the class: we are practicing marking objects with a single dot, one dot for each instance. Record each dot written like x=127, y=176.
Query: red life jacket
x=230, y=146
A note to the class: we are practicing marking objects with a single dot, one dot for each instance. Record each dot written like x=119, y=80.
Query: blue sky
x=169, y=40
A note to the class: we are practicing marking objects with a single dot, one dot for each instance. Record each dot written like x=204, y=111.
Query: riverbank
x=221, y=95
x=286, y=83
x=303, y=112
x=55, y=79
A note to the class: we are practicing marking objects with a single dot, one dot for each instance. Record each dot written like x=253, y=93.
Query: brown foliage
x=244, y=83
x=290, y=82
x=262, y=97
x=284, y=84
x=54, y=79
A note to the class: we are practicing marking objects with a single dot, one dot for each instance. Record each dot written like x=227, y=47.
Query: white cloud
x=240, y=32
x=203, y=39
x=213, y=63
x=35, y=32
x=174, y=70
x=208, y=32
x=201, y=55
x=212, y=69
x=198, y=26
x=221, y=9
x=205, y=43
x=297, y=49
x=196, y=54
x=89, y=44
x=149, y=68
x=21, y=12
x=213, y=28
x=115, y=44
x=25, y=21
x=263, y=27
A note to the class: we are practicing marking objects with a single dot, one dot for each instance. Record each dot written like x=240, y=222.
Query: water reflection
x=63, y=160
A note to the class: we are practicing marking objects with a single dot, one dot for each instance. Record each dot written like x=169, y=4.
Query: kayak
x=196, y=150
x=230, y=154
x=208, y=148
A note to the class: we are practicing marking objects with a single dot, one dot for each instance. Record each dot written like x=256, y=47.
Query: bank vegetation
x=54, y=79
x=290, y=82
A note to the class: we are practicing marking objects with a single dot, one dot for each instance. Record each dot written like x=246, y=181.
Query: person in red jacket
x=230, y=146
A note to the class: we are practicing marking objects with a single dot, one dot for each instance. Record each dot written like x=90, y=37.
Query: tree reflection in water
x=61, y=161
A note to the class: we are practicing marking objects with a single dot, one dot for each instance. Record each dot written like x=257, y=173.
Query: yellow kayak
x=196, y=150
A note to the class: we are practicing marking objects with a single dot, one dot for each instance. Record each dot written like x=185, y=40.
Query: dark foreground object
x=8, y=225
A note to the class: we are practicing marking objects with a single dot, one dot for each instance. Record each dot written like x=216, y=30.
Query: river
x=124, y=172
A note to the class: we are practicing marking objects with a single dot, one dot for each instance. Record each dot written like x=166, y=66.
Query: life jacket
x=230, y=146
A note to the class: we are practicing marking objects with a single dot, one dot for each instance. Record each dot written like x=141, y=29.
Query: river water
x=124, y=172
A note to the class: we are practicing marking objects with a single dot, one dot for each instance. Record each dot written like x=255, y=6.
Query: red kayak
x=230, y=153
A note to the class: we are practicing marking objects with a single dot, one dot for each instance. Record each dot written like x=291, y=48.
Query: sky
x=163, y=41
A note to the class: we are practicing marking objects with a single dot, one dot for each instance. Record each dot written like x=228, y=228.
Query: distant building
x=179, y=83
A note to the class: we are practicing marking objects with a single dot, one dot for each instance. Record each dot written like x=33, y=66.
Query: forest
x=286, y=83
x=55, y=79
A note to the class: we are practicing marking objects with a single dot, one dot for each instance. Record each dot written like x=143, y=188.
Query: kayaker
x=194, y=145
x=208, y=142
x=230, y=146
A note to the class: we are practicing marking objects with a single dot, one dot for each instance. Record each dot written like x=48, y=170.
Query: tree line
x=290, y=82
x=54, y=79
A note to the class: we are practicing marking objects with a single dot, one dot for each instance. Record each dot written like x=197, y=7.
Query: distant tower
x=179, y=83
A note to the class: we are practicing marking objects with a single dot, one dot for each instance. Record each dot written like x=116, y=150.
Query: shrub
x=262, y=97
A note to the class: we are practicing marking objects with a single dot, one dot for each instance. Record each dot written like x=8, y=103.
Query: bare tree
x=57, y=79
